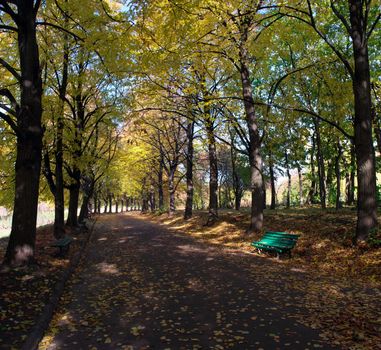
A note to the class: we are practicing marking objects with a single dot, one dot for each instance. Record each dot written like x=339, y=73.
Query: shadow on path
x=142, y=286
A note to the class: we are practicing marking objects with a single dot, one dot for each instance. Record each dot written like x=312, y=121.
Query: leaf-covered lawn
x=25, y=291
x=343, y=283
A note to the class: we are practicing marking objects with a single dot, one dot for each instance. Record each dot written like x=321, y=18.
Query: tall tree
x=27, y=127
x=359, y=19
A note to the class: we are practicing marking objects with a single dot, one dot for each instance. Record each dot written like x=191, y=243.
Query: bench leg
x=67, y=248
x=63, y=250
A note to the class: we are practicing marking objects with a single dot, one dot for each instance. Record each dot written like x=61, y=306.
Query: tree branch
x=44, y=23
x=10, y=122
x=10, y=69
x=314, y=114
x=7, y=9
x=376, y=21
x=5, y=27
x=341, y=18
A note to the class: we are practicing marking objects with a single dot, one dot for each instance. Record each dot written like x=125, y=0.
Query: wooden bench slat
x=281, y=237
x=272, y=245
x=274, y=239
x=282, y=233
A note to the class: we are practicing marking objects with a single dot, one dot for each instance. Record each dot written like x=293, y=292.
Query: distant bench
x=63, y=244
x=279, y=242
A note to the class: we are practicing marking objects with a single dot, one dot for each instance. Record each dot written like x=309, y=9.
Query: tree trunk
x=21, y=244
x=84, y=212
x=110, y=203
x=312, y=191
x=255, y=159
x=338, y=176
x=272, y=184
x=59, y=202
x=321, y=168
x=171, y=188
x=152, y=199
x=87, y=190
x=202, y=196
x=213, y=166
x=219, y=197
x=189, y=171
x=377, y=131
x=264, y=193
x=128, y=201
x=288, y=197
x=144, y=203
x=72, y=218
x=330, y=176
x=144, y=196
x=95, y=200
x=116, y=205
x=237, y=183
x=365, y=159
x=300, y=178
x=160, y=183
x=350, y=178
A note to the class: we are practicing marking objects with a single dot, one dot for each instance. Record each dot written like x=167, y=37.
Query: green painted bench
x=63, y=244
x=279, y=242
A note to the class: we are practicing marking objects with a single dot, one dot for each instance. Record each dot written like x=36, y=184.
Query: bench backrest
x=279, y=238
x=63, y=241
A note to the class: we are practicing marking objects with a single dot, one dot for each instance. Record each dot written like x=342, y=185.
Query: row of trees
x=284, y=85
x=250, y=89
x=61, y=106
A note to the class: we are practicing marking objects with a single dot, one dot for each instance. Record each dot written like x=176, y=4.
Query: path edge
x=36, y=334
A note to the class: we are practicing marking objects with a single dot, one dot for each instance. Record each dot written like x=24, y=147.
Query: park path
x=142, y=286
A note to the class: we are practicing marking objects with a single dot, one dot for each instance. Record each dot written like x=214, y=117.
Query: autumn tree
x=23, y=113
x=358, y=20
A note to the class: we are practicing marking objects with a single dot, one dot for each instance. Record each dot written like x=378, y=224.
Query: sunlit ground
x=325, y=242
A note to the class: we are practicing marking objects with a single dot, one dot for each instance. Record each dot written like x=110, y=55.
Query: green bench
x=279, y=242
x=63, y=244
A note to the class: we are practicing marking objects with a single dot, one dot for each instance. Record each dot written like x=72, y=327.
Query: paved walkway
x=142, y=286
